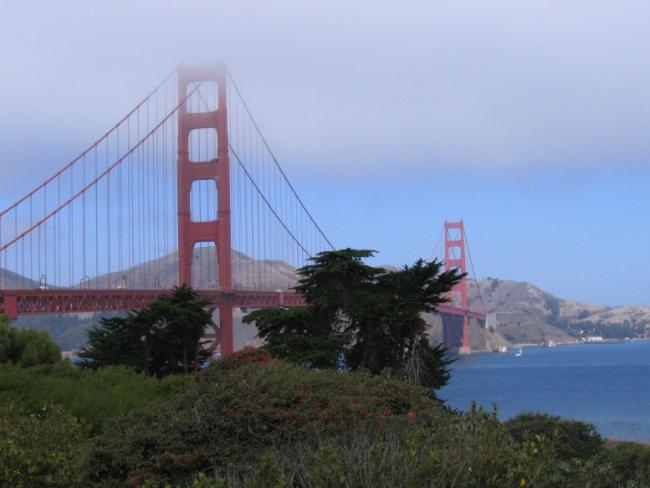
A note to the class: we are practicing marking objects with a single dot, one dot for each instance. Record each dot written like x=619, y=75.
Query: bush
x=236, y=414
x=94, y=396
x=39, y=450
x=630, y=460
x=255, y=422
x=469, y=451
x=26, y=347
x=248, y=355
x=573, y=439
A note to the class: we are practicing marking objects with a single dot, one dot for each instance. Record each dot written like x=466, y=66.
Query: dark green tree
x=299, y=335
x=26, y=347
x=162, y=338
x=365, y=315
x=336, y=285
x=390, y=333
x=114, y=342
x=338, y=281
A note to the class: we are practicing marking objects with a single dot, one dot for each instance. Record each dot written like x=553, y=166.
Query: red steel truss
x=53, y=301
x=58, y=301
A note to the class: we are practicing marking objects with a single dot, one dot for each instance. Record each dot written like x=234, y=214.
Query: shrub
x=630, y=460
x=26, y=347
x=573, y=439
x=248, y=355
x=39, y=450
x=236, y=414
x=470, y=451
x=94, y=396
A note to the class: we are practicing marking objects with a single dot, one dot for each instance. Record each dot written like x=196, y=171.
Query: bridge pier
x=227, y=341
x=10, y=303
x=455, y=330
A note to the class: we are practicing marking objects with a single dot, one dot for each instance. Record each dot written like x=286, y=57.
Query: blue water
x=605, y=384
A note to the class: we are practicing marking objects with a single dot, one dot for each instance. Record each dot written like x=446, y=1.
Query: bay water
x=604, y=384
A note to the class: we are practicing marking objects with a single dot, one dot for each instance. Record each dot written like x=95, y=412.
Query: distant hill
x=9, y=279
x=248, y=273
x=524, y=313
x=69, y=331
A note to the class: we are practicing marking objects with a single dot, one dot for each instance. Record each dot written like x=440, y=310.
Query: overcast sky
x=530, y=120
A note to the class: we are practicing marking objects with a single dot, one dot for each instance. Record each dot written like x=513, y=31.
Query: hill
x=518, y=313
x=9, y=279
x=523, y=313
x=248, y=273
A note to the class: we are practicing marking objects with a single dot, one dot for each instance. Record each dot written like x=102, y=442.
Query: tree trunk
x=146, y=358
x=184, y=358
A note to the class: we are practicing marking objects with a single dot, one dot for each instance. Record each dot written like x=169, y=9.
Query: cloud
x=492, y=86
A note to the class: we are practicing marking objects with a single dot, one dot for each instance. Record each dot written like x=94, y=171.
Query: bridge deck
x=59, y=301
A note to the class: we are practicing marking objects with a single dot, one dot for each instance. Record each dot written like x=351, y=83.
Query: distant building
x=593, y=339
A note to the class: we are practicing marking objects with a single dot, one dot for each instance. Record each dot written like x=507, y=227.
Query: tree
x=390, y=333
x=334, y=286
x=8, y=342
x=26, y=347
x=163, y=338
x=299, y=335
x=365, y=315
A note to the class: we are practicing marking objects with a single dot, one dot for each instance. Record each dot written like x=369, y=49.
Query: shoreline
x=528, y=345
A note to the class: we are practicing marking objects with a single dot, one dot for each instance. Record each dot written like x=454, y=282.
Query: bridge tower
x=456, y=329
x=218, y=231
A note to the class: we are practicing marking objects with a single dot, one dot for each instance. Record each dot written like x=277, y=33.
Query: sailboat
x=519, y=353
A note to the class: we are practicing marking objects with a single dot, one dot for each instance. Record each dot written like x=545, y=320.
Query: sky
x=528, y=120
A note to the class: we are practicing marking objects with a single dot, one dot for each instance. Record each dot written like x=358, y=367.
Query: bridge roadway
x=14, y=303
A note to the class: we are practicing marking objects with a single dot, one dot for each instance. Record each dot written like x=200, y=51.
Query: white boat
x=519, y=353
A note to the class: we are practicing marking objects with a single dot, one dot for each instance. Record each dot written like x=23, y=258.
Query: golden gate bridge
x=184, y=189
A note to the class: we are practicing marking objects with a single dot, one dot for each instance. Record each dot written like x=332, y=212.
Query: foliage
x=253, y=421
x=39, y=449
x=390, y=334
x=455, y=451
x=93, y=396
x=237, y=413
x=239, y=359
x=552, y=304
x=405, y=455
x=630, y=460
x=574, y=439
x=68, y=331
x=370, y=317
x=299, y=335
x=163, y=338
x=466, y=451
x=26, y=347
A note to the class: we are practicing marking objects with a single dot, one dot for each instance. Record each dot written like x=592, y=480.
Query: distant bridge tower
x=456, y=329
x=216, y=232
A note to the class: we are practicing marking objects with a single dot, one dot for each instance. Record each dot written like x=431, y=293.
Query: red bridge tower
x=215, y=231
x=456, y=329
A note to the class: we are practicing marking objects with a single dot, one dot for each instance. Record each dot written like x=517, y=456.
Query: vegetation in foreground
x=254, y=421
x=342, y=395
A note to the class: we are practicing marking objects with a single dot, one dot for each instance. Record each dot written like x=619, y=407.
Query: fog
x=493, y=86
